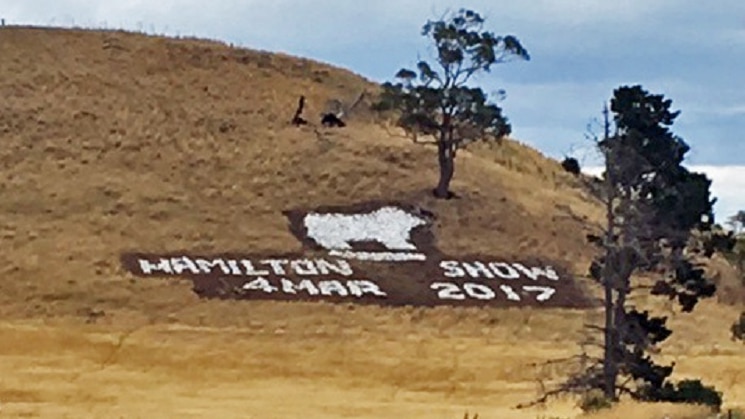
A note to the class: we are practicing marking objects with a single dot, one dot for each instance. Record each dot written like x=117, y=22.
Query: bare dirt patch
x=376, y=252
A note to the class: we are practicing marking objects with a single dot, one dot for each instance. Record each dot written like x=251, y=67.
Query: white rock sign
x=390, y=226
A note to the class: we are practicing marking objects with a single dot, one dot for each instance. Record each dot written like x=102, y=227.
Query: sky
x=693, y=52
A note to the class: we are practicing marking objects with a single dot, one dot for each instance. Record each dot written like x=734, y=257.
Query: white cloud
x=546, y=26
x=728, y=185
x=333, y=20
x=726, y=111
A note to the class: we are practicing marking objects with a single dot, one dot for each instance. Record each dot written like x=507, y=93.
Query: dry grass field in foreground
x=116, y=142
x=322, y=361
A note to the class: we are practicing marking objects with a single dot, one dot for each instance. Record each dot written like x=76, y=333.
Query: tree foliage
x=737, y=222
x=653, y=205
x=686, y=391
x=436, y=99
x=735, y=239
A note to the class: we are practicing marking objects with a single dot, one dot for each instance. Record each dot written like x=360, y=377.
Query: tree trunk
x=610, y=363
x=610, y=366
x=446, y=158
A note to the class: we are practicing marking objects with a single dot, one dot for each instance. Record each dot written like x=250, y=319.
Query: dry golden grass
x=116, y=142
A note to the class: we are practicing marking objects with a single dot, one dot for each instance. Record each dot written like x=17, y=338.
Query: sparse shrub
x=571, y=165
x=738, y=328
x=686, y=391
x=738, y=256
x=594, y=400
x=736, y=414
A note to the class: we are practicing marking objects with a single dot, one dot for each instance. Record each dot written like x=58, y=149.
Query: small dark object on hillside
x=594, y=239
x=571, y=165
x=738, y=329
x=719, y=242
x=331, y=120
x=424, y=213
x=449, y=195
x=297, y=120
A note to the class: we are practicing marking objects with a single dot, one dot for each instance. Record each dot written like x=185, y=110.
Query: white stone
x=389, y=226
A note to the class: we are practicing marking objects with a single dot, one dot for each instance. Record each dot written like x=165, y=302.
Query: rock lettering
x=496, y=270
x=355, y=288
x=243, y=267
x=451, y=291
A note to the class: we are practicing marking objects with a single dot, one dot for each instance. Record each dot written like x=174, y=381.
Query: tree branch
x=543, y=399
x=575, y=384
x=625, y=390
x=595, y=327
x=469, y=72
x=562, y=360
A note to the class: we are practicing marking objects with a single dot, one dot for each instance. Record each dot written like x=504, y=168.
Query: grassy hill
x=115, y=142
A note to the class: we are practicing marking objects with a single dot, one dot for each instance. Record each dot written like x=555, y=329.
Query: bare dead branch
x=557, y=361
x=357, y=102
x=297, y=119
x=541, y=400
x=595, y=327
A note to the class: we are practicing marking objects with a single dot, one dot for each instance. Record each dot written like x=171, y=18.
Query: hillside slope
x=116, y=142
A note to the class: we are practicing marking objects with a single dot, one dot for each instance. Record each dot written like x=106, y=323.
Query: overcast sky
x=691, y=51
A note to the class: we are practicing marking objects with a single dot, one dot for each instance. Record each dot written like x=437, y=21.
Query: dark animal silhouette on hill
x=328, y=119
x=331, y=120
x=297, y=120
x=571, y=165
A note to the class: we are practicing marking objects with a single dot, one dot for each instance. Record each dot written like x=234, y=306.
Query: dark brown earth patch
x=348, y=274
x=387, y=284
